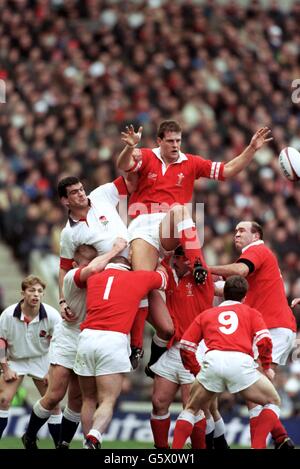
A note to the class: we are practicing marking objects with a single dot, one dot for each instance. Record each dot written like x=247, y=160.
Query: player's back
x=230, y=326
x=266, y=289
x=113, y=297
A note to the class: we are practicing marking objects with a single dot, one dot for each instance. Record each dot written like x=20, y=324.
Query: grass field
x=15, y=443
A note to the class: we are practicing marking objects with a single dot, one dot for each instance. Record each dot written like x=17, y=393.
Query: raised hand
x=295, y=302
x=260, y=137
x=130, y=137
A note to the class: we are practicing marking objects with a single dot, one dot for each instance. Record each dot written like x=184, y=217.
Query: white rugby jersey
x=27, y=340
x=75, y=298
x=101, y=227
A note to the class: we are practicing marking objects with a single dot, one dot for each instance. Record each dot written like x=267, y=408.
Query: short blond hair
x=30, y=281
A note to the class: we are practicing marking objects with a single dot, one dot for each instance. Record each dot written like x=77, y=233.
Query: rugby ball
x=289, y=163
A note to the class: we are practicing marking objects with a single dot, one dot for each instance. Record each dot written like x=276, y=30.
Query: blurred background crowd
x=77, y=73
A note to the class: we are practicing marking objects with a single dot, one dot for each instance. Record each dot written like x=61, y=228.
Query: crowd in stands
x=77, y=73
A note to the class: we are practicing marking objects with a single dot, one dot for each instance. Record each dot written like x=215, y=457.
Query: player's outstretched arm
x=125, y=160
x=238, y=268
x=241, y=161
x=100, y=262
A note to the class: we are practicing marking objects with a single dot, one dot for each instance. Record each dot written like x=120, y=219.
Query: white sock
x=159, y=342
x=219, y=428
x=40, y=411
x=96, y=434
x=210, y=425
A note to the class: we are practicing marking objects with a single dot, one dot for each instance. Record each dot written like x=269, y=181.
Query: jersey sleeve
x=54, y=318
x=207, y=168
x=139, y=156
x=3, y=326
x=252, y=258
x=262, y=339
x=110, y=192
x=188, y=346
x=70, y=285
x=66, y=249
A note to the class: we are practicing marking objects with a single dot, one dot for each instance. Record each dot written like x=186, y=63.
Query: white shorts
x=36, y=367
x=201, y=350
x=63, y=346
x=284, y=340
x=170, y=366
x=102, y=353
x=227, y=371
x=147, y=227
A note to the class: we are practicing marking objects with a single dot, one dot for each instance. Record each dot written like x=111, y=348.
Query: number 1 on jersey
x=108, y=287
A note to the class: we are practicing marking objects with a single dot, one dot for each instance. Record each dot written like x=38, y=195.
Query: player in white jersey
x=93, y=220
x=64, y=348
x=26, y=329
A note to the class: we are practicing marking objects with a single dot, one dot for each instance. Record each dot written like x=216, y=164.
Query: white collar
x=182, y=157
x=117, y=266
x=255, y=243
x=229, y=303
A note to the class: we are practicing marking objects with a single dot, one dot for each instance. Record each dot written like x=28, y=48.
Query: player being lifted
x=161, y=219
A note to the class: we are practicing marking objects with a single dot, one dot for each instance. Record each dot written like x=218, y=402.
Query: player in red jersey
x=229, y=330
x=266, y=293
x=103, y=353
x=166, y=180
x=184, y=301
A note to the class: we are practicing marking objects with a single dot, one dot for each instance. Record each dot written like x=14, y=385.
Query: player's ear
x=65, y=201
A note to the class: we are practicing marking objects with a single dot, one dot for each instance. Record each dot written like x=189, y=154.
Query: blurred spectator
x=77, y=72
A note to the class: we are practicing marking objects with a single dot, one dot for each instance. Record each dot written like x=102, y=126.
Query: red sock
x=253, y=424
x=190, y=242
x=266, y=421
x=279, y=433
x=198, y=435
x=137, y=330
x=182, y=431
x=160, y=429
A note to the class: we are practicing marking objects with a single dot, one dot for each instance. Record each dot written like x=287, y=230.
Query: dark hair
x=64, y=183
x=257, y=228
x=168, y=126
x=179, y=251
x=85, y=253
x=120, y=260
x=235, y=288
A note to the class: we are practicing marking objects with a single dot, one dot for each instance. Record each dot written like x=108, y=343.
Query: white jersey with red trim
x=75, y=298
x=101, y=227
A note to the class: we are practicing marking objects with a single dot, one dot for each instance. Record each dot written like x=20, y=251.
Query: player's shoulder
x=51, y=311
x=9, y=311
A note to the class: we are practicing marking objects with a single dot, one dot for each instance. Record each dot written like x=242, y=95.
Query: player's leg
x=219, y=441
x=200, y=398
x=89, y=401
x=54, y=419
x=178, y=227
x=198, y=432
x=58, y=379
x=262, y=392
x=7, y=391
x=164, y=392
x=71, y=414
x=144, y=256
x=108, y=390
x=159, y=317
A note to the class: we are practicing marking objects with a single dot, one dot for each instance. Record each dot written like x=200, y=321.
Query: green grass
x=16, y=443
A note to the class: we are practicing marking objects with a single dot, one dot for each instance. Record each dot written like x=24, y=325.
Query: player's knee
x=160, y=406
x=4, y=402
x=51, y=400
x=276, y=400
